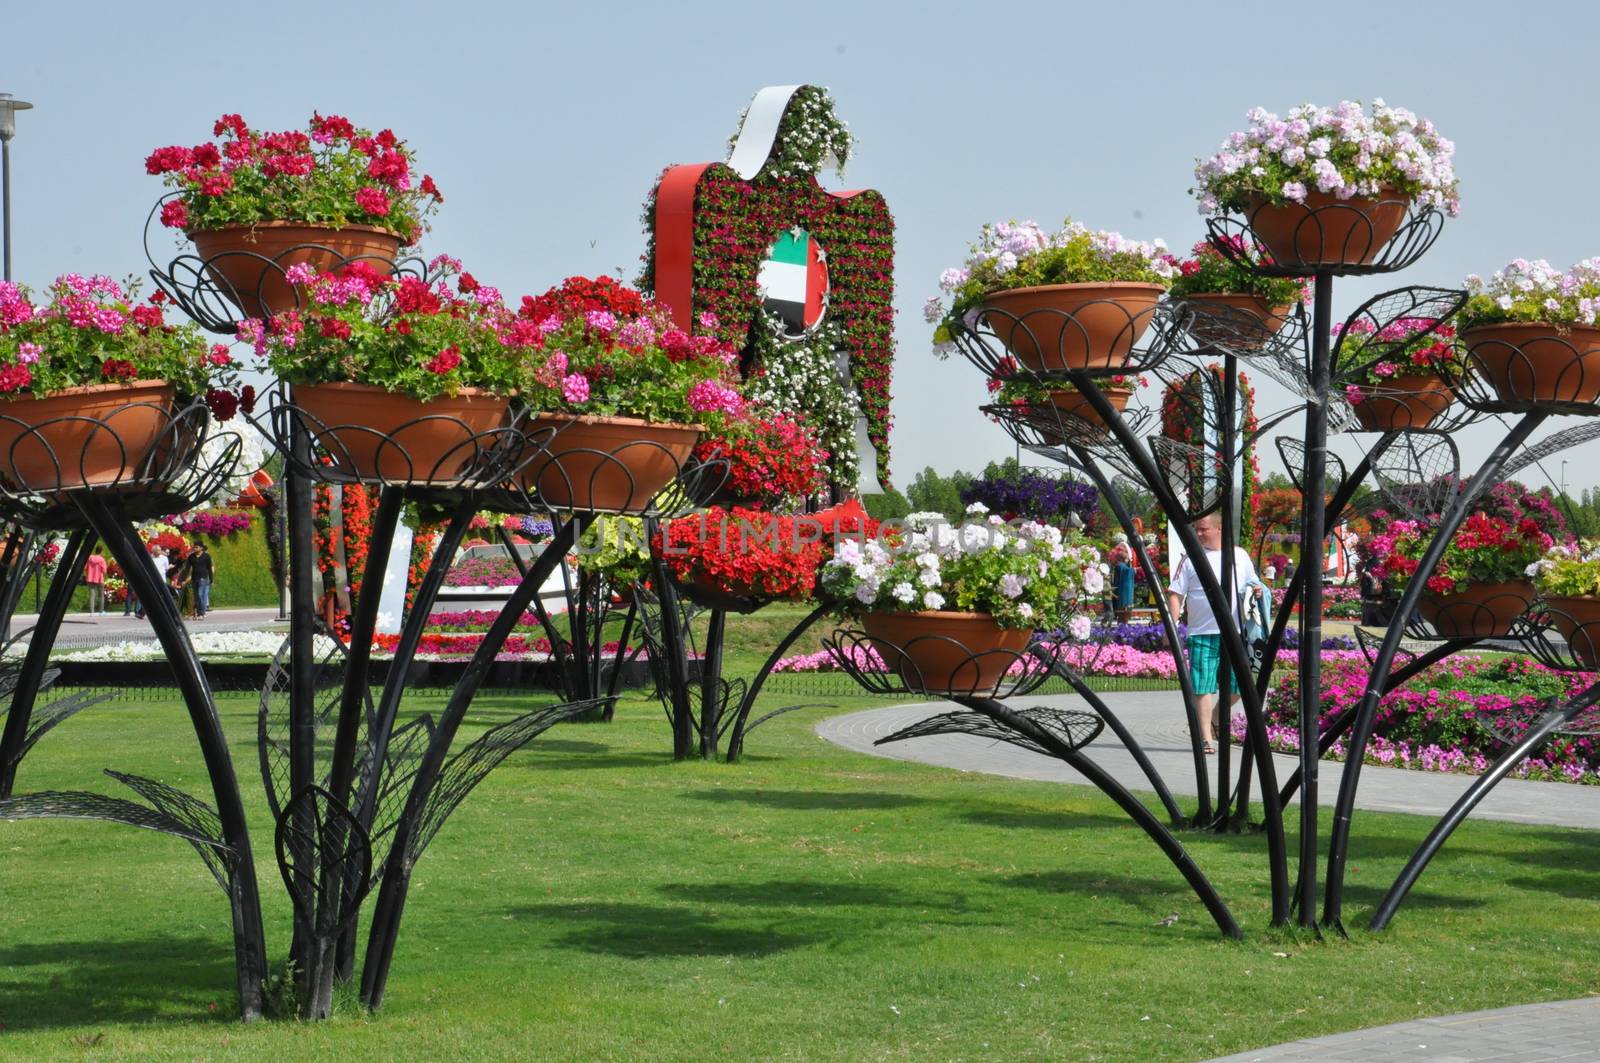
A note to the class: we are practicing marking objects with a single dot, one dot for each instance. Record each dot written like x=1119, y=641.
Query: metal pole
x=5, y=196
x=1312, y=531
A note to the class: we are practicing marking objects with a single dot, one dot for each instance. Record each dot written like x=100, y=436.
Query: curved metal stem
x=249, y=939
x=1169, y=624
x=1141, y=815
x=748, y=702
x=711, y=683
x=1344, y=810
x=1157, y=783
x=1232, y=643
x=397, y=870
x=40, y=643
x=1536, y=737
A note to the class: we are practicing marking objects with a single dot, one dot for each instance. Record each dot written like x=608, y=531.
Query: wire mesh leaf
x=1073, y=728
x=272, y=722
x=1426, y=308
x=47, y=717
x=1418, y=474
x=81, y=804
x=406, y=747
x=318, y=838
x=200, y=818
x=466, y=769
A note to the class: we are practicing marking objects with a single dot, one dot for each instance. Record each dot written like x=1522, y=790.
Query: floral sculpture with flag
x=795, y=274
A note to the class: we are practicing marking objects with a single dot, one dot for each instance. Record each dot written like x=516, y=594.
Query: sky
x=546, y=124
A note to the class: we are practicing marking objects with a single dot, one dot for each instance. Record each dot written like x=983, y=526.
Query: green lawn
x=595, y=900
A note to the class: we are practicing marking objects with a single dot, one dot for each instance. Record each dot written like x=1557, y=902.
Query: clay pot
x=606, y=464
x=1534, y=361
x=946, y=652
x=1482, y=610
x=1577, y=617
x=1403, y=402
x=382, y=436
x=1326, y=230
x=1069, y=402
x=110, y=432
x=1072, y=326
x=1234, y=321
x=253, y=258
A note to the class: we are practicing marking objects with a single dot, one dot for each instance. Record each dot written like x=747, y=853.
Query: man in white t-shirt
x=158, y=557
x=1204, y=641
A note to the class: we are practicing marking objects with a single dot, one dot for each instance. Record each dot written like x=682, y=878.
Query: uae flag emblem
x=794, y=281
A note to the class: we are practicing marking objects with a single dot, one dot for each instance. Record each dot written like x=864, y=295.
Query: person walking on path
x=1121, y=583
x=158, y=557
x=1204, y=641
x=201, y=571
x=94, y=577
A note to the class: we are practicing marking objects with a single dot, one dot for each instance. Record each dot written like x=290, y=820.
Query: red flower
x=332, y=126
x=216, y=184
x=333, y=328
x=15, y=378
x=390, y=167
x=167, y=160
x=117, y=369
x=230, y=123
x=428, y=188
x=147, y=317
x=223, y=404
x=445, y=361
x=247, y=398
x=468, y=284
x=373, y=200
x=174, y=215
x=415, y=297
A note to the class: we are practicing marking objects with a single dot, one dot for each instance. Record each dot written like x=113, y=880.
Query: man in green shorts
x=1204, y=642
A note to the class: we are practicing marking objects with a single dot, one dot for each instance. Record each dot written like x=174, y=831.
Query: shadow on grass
x=780, y=893
x=1095, y=883
x=1043, y=819
x=1367, y=895
x=642, y=930
x=1579, y=885
x=807, y=800
x=79, y=983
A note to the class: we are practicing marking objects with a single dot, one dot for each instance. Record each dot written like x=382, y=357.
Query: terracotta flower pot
x=378, y=435
x=606, y=464
x=946, y=652
x=1534, y=361
x=252, y=258
x=1482, y=610
x=1326, y=230
x=108, y=432
x=1069, y=402
x=1577, y=617
x=1403, y=402
x=1235, y=321
x=1073, y=326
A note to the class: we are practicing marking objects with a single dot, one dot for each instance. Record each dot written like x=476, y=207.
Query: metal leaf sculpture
x=467, y=769
x=272, y=722
x=47, y=717
x=1418, y=474
x=176, y=813
x=1419, y=309
x=318, y=839
x=1075, y=729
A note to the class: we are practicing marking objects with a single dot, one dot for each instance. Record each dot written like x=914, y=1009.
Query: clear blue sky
x=545, y=126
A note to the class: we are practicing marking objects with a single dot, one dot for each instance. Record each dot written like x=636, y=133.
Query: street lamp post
x=9, y=106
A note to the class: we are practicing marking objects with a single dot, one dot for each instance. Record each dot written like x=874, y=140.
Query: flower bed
x=1437, y=721
x=206, y=644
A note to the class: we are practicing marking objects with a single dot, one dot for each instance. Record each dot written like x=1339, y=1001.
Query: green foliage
x=617, y=548
x=244, y=568
x=1211, y=272
x=887, y=505
x=932, y=493
x=1570, y=570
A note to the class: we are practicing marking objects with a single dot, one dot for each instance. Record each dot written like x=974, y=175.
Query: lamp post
x=9, y=106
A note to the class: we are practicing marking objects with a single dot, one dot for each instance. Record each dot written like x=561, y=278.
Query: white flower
x=933, y=600
x=1093, y=581
x=1011, y=585
x=929, y=578
x=1025, y=611
x=866, y=593
x=977, y=509
x=904, y=592
x=1079, y=627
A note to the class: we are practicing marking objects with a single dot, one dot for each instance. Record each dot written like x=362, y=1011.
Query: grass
x=596, y=900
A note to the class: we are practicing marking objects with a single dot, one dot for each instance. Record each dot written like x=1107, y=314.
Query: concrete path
x=81, y=630
x=1530, y=1033
x=1156, y=720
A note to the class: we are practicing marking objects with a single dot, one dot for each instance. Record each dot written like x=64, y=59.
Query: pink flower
x=709, y=396
x=553, y=371
x=299, y=273
x=600, y=320
x=28, y=353
x=575, y=388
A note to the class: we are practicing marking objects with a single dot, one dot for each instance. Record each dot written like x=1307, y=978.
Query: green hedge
x=244, y=573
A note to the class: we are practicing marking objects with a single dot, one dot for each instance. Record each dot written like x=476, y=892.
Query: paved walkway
x=80, y=630
x=1155, y=718
x=1531, y=1033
